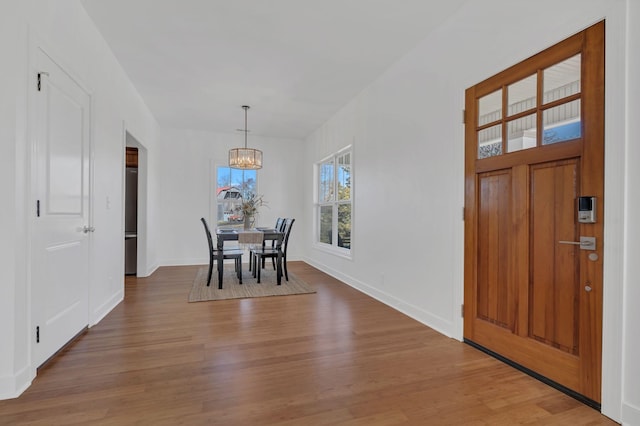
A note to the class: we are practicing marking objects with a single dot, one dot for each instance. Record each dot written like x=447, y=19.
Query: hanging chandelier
x=245, y=158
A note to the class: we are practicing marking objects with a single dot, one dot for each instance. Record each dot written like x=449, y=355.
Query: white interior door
x=60, y=257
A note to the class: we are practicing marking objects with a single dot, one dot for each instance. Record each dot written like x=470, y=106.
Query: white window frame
x=333, y=248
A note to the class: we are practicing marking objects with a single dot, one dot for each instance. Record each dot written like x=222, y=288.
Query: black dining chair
x=259, y=254
x=278, y=227
x=235, y=254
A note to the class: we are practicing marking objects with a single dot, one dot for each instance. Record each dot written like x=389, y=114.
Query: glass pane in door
x=562, y=79
x=490, y=142
x=490, y=108
x=521, y=133
x=522, y=95
x=562, y=123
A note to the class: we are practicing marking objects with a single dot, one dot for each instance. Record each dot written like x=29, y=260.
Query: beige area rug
x=249, y=287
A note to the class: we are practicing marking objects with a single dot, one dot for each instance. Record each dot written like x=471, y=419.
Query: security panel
x=587, y=209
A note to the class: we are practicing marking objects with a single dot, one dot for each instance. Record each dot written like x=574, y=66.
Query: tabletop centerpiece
x=249, y=208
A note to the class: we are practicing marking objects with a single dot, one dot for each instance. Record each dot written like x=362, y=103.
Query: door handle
x=87, y=229
x=585, y=243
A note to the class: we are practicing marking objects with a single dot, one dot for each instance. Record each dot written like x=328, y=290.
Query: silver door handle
x=87, y=229
x=585, y=243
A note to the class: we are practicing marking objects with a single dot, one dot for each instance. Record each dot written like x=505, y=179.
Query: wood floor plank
x=336, y=357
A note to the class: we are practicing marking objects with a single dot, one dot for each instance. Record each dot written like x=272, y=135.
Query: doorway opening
x=135, y=207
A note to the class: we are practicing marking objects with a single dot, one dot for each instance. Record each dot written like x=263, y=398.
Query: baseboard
x=149, y=271
x=104, y=309
x=630, y=415
x=435, y=322
x=184, y=262
x=13, y=386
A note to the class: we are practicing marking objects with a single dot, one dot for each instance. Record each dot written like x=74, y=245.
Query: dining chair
x=235, y=254
x=259, y=254
x=278, y=227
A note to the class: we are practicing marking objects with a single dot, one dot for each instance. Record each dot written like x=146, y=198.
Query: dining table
x=254, y=236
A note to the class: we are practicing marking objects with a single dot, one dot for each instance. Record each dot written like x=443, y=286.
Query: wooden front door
x=534, y=145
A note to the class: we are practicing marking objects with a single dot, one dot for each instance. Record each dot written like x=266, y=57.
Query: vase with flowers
x=249, y=208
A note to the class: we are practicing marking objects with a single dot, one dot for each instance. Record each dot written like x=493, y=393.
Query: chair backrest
x=279, y=227
x=288, y=224
x=206, y=230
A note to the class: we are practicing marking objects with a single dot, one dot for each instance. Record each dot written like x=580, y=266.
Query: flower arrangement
x=250, y=204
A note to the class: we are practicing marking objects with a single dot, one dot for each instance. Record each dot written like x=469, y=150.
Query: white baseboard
x=13, y=386
x=104, y=309
x=149, y=271
x=184, y=262
x=630, y=415
x=435, y=322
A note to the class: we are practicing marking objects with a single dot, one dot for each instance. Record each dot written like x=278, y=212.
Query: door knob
x=87, y=229
x=587, y=288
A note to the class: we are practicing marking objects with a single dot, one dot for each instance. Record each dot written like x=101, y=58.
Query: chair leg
x=210, y=270
x=286, y=273
x=239, y=268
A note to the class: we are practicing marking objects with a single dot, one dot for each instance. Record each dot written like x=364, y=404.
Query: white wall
x=631, y=372
x=65, y=32
x=186, y=179
x=8, y=89
x=409, y=178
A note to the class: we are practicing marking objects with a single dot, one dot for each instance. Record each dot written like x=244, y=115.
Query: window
x=513, y=117
x=232, y=186
x=334, y=204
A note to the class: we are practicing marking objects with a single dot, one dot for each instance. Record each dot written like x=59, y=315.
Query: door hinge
x=464, y=116
x=37, y=208
x=40, y=74
x=38, y=334
x=462, y=310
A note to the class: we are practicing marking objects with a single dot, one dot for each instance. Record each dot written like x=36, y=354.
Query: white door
x=60, y=242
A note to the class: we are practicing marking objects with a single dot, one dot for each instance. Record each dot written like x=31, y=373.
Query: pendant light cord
x=246, y=107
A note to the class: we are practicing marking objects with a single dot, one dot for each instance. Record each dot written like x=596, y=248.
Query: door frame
x=616, y=139
x=592, y=113
x=130, y=140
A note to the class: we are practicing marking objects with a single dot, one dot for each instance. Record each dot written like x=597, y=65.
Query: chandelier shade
x=245, y=158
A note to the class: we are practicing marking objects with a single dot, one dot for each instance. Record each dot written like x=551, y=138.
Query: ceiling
x=295, y=62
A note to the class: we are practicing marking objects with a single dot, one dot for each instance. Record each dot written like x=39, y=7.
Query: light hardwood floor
x=337, y=357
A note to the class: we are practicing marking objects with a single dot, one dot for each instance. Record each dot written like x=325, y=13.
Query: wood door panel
x=554, y=285
x=495, y=296
x=559, y=365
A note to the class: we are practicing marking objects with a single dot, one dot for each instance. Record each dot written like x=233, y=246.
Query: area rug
x=249, y=287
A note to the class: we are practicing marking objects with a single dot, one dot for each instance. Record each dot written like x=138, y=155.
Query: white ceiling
x=295, y=62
